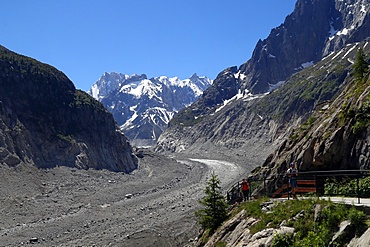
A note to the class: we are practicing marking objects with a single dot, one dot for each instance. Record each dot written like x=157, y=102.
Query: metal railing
x=309, y=182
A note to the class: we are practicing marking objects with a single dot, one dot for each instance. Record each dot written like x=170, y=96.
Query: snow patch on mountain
x=240, y=76
x=140, y=88
x=245, y=95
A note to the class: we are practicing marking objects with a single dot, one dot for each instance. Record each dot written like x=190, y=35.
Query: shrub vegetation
x=300, y=214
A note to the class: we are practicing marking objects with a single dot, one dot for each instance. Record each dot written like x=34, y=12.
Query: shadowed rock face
x=45, y=121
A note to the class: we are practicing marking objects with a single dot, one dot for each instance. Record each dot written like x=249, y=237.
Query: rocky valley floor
x=70, y=207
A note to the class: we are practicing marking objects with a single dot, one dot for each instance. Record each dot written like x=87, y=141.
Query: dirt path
x=70, y=207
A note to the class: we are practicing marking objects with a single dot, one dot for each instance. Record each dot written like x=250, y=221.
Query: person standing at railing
x=245, y=189
x=292, y=174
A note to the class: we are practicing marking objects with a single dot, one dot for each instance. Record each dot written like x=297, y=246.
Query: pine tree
x=360, y=66
x=215, y=206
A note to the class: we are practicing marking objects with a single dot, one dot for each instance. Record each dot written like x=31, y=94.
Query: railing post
x=289, y=189
x=317, y=193
x=358, y=190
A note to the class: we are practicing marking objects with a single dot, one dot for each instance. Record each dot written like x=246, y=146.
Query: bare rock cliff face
x=46, y=122
x=311, y=32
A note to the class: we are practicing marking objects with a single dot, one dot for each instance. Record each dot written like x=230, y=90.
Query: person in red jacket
x=245, y=189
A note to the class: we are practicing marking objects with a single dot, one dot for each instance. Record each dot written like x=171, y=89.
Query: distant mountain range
x=143, y=107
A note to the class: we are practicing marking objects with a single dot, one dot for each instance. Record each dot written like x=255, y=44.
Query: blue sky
x=85, y=38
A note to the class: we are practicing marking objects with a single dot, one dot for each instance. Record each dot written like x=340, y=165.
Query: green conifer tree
x=215, y=206
x=360, y=66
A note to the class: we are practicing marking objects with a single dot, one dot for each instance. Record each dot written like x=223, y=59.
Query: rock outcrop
x=46, y=122
x=363, y=240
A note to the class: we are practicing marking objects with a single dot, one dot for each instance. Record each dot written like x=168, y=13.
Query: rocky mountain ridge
x=46, y=122
x=143, y=107
x=311, y=32
x=244, y=130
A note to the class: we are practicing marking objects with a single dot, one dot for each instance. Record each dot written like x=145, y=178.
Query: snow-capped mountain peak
x=109, y=82
x=143, y=107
